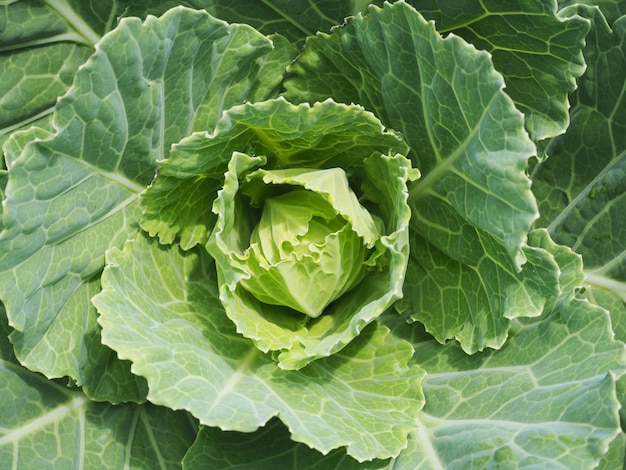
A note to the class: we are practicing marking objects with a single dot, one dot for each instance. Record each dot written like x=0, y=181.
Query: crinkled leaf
x=180, y=339
x=309, y=246
x=469, y=290
x=44, y=43
x=74, y=193
x=328, y=134
x=299, y=341
x=446, y=294
x=473, y=207
x=322, y=136
x=616, y=307
x=182, y=211
x=546, y=399
x=611, y=9
x=537, y=50
x=45, y=424
x=581, y=187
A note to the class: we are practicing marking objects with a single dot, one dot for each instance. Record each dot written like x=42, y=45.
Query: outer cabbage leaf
x=473, y=207
x=567, y=351
x=547, y=398
x=42, y=47
x=537, y=50
x=615, y=457
x=45, y=424
x=295, y=20
x=179, y=337
x=43, y=42
x=73, y=193
x=611, y=9
x=581, y=188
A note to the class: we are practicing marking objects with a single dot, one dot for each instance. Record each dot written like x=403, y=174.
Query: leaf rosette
x=309, y=223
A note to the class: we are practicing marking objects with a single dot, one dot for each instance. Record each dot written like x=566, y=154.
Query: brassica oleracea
x=312, y=234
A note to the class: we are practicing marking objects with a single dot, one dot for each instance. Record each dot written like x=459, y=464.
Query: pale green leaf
x=74, y=193
x=581, y=187
x=363, y=398
x=296, y=338
x=616, y=455
x=43, y=43
x=47, y=425
x=324, y=135
x=537, y=51
x=547, y=399
x=327, y=135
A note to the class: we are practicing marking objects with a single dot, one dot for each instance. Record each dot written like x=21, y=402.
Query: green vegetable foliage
x=332, y=234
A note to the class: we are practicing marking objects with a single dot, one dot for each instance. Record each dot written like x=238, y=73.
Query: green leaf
x=473, y=207
x=41, y=52
x=472, y=291
x=364, y=397
x=74, y=193
x=616, y=307
x=611, y=9
x=537, y=50
x=45, y=424
x=44, y=43
x=616, y=455
x=547, y=399
x=581, y=187
x=174, y=207
x=268, y=448
x=295, y=20
x=309, y=246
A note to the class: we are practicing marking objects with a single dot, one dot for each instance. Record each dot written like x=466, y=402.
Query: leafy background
x=577, y=179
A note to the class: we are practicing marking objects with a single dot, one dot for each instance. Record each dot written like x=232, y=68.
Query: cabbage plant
x=333, y=234
x=313, y=216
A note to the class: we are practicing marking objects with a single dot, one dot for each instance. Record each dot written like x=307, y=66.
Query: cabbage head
x=309, y=222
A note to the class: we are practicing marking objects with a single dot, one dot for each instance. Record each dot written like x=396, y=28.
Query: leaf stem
x=75, y=21
x=617, y=287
